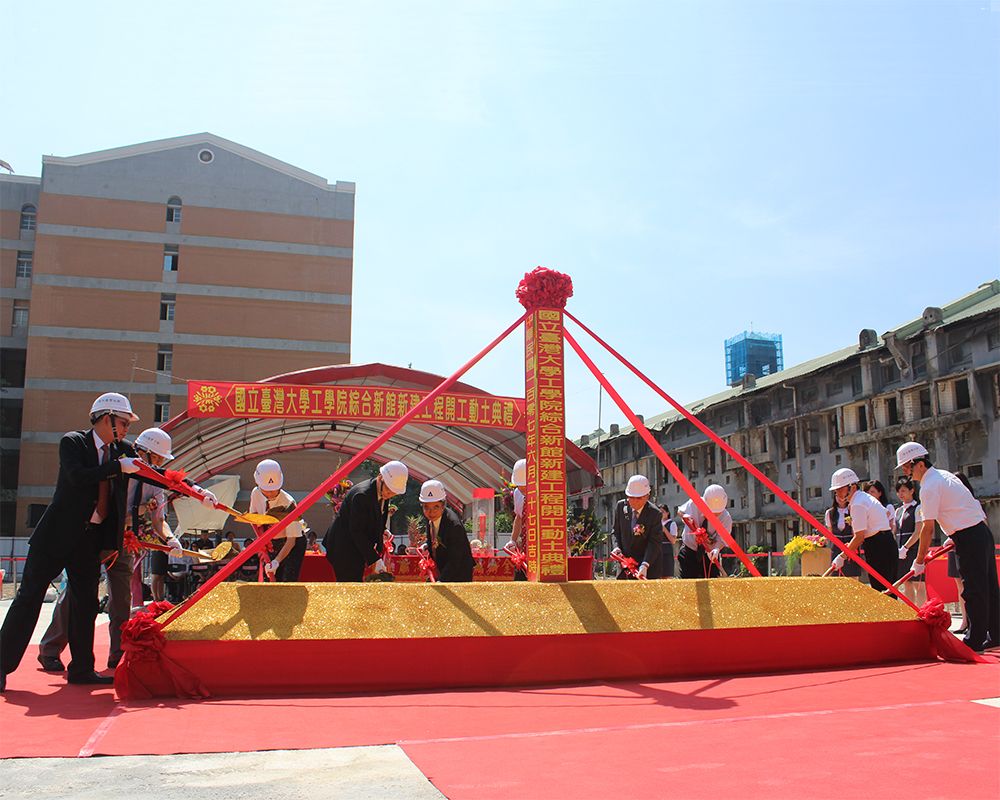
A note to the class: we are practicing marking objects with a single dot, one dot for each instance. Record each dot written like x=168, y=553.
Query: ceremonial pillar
x=543, y=293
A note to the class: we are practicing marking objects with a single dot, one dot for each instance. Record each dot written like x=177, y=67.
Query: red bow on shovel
x=630, y=565
x=426, y=563
x=517, y=556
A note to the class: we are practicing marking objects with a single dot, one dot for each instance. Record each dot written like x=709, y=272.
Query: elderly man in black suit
x=638, y=529
x=354, y=540
x=447, y=541
x=87, y=513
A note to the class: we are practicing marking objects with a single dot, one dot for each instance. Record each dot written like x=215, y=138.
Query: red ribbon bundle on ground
x=945, y=645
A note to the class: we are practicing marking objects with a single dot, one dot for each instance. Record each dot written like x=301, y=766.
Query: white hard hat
x=843, y=477
x=268, y=475
x=715, y=498
x=519, y=475
x=113, y=403
x=638, y=486
x=394, y=474
x=432, y=492
x=909, y=451
x=156, y=441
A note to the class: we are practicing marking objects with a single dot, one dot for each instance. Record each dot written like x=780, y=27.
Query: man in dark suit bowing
x=638, y=529
x=447, y=541
x=86, y=513
x=354, y=540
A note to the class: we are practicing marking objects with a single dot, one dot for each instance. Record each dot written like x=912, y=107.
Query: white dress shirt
x=944, y=498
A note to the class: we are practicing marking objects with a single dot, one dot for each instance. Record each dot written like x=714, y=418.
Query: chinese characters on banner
x=375, y=403
x=545, y=437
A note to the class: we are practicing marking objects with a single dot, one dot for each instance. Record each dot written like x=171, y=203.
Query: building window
x=768, y=497
x=809, y=394
x=19, y=317
x=862, y=419
x=834, y=430
x=174, y=209
x=812, y=437
x=918, y=358
x=993, y=339
x=164, y=360
x=813, y=492
x=973, y=470
x=24, y=259
x=890, y=373
x=958, y=349
x=29, y=216
x=962, y=399
x=834, y=388
x=857, y=385
x=925, y=403
x=710, y=460
x=167, y=310
x=161, y=408
x=171, y=257
x=891, y=411
x=788, y=436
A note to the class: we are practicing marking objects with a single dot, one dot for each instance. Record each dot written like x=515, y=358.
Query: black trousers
x=882, y=556
x=696, y=563
x=347, y=566
x=83, y=570
x=288, y=570
x=978, y=567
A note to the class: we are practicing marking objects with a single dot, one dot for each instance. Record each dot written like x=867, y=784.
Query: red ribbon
x=144, y=662
x=629, y=565
x=131, y=543
x=517, y=557
x=426, y=563
x=944, y=644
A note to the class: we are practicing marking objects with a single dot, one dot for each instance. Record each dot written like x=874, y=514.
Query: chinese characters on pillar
x=545, y=437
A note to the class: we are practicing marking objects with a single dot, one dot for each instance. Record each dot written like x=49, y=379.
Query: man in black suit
x=447, y=541
x=87, y=513
x=354, y=540
x=638, y=529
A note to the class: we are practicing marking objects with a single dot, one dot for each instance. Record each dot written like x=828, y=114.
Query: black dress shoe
x=51, y=663
x=90, y=677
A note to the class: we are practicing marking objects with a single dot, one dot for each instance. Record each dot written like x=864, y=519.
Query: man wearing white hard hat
x=700, y=555
x=519, y=479
x=86, y=515
x=869, y=527
x=268, y=497
x=354, y=540
x=145, y=514
x=944, y=499
x=638, y=530
x=447, y=541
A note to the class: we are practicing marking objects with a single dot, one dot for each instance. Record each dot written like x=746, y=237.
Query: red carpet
x=759, y=735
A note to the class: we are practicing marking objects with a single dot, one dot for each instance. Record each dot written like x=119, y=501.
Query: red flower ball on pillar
x=544, y=288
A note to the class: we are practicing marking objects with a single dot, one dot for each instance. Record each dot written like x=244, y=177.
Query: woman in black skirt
x=839, y=523
x=907, y=537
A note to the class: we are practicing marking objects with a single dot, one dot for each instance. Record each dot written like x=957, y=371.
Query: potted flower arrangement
x=811, y=550
x=335, y=497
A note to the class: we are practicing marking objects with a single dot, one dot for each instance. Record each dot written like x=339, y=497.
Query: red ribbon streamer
x=345, y=470
x=665, y=459
x=738, y=457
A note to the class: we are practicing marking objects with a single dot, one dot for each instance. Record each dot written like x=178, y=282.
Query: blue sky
x=812, y=168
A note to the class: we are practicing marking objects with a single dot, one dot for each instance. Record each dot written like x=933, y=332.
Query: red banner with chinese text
x=344, y=402
x=545, y=438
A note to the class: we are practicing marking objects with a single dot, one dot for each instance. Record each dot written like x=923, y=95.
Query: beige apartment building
x=137, y=268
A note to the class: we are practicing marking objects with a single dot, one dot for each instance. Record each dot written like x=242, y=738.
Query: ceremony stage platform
x=252, y=639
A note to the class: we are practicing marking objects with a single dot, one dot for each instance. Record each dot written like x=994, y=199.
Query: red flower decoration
x=174, y=475
x=131, y=543
x=544, y=288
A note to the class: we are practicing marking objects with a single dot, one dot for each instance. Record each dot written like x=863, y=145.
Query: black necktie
x=103, y=491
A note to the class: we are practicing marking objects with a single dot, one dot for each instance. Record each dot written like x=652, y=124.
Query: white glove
x=175, y=547
x=616, y=552
x=380, y=566
x=207, y=498
x=714, y=555
x=643, y=568
x=918, y=569
x=272, y=567
x=128, y=465
x=838, y=562
x=902, y=553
